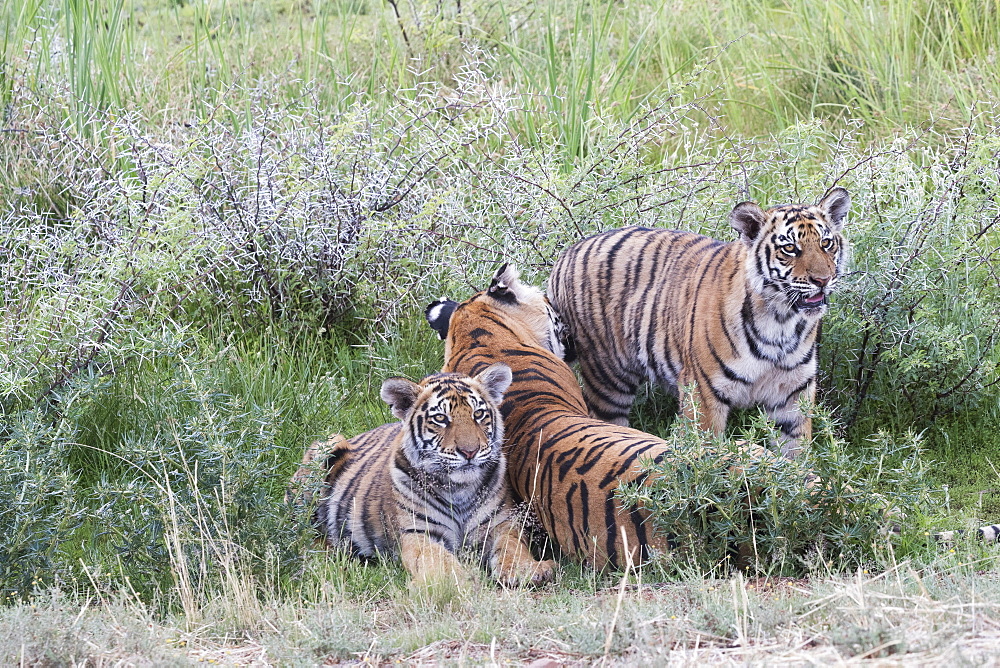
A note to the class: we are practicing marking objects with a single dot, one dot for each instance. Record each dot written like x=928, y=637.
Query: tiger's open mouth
x=807, y=303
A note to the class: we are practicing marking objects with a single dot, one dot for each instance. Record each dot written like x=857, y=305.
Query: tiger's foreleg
x=710, y=413
x=429, y=562
x=795, y=425
x=511, y=560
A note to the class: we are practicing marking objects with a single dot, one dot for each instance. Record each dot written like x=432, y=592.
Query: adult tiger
x=564, y=462
x=736, y=322
x=430, y=486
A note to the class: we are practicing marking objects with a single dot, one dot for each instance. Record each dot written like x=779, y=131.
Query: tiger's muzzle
x=811, y=303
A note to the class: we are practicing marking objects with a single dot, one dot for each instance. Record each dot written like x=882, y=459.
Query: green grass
x=755, y=67
x=221, y=220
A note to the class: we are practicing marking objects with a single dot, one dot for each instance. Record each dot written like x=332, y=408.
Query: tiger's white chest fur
x=770, y=382
x=459, y=507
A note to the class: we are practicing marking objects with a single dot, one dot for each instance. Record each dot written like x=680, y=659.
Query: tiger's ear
x=495, y=379
x=438, y=315
x=400, y=394
x=747, y=218
x=505, y=282
x=835, y=207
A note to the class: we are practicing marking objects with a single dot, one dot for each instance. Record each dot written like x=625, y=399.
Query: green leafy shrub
x=41, y=505
x=190, y=491
x=914, y=333
x=724, y=505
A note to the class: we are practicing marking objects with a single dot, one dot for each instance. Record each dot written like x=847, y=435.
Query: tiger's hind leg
x=609, y=396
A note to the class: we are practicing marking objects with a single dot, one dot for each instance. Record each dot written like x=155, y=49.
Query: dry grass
x=945, y=615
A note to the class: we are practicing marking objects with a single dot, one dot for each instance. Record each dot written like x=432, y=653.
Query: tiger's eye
x=788, y=249
x=827, y=244
x=440, y=418
x=480, y=414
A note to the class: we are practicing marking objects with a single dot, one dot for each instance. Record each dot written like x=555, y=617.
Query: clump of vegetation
x=214, y=246
x=726, y=507
x=917, y=325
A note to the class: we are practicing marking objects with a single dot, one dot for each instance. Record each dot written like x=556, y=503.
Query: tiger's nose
x=820, y=281
x=468, y=451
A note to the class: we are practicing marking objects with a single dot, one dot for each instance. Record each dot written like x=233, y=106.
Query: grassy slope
x=751, y=68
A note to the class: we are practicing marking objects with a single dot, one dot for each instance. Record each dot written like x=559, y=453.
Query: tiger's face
x=452, y=422
x=796, y=253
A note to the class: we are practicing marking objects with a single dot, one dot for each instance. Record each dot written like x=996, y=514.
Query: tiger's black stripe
x=402, y=479
x=567, y=464
x=737, y=322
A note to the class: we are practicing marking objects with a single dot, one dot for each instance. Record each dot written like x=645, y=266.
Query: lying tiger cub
x=430, y=486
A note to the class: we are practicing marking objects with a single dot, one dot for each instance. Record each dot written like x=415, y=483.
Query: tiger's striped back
x=567, y=464
x=736, y=321
x=357, y=507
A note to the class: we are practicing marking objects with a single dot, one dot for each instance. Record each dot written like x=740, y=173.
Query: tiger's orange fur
x=736, y=322
x=429, y=487
x=567, y=464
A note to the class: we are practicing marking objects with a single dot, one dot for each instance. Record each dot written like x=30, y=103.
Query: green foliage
x=192, y=477
x=41, y=506
x=725, y=504
x=914, y=336
x=201, y=274
x=98, y=36
x=756, y=67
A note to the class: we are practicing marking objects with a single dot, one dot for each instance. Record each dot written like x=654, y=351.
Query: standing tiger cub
x=735, y=321
x=430, y=486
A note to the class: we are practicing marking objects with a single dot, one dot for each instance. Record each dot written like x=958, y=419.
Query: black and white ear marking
x=495, y=379
x=504, y=282
x=747, y=218
x=835, y=206
x=400, y=394
x=438, y=314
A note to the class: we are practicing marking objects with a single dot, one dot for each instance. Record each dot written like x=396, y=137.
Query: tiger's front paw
x=430, y=564
x=544, y=572
x=532, y=574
